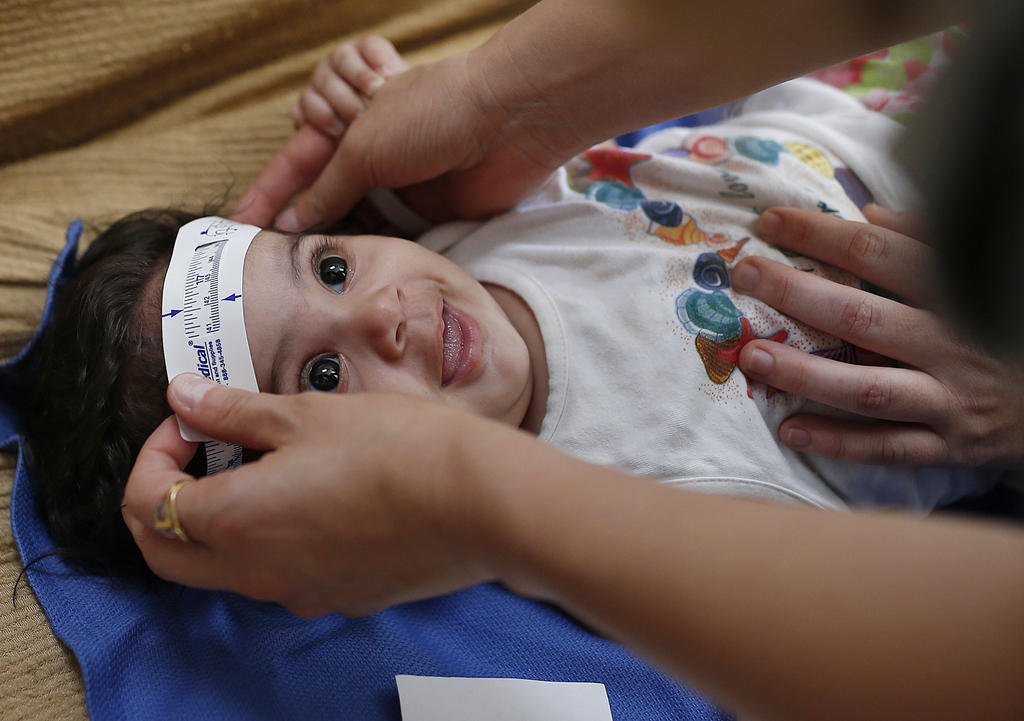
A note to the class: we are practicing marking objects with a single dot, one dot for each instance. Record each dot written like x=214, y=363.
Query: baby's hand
x=344, y=81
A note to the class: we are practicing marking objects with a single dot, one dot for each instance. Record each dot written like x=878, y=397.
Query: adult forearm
x=779, y=612
x=582, y=72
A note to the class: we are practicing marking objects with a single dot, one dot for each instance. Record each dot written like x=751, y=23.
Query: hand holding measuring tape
x=331, y=517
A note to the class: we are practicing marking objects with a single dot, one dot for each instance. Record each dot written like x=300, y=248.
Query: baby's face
x=349, y=314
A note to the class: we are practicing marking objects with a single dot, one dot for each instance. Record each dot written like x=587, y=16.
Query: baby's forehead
x=274, y=243
x=295, y=252
x=273, y=253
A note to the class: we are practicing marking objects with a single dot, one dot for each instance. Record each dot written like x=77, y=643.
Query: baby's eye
x=322, y=373
x=333, y=270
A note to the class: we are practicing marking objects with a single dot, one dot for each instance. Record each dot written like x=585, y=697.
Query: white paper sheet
x=435, y=698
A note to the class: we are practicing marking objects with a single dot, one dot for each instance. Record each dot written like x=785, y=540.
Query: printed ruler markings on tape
x=198, y=336
x=221, y=455
x=202, y=306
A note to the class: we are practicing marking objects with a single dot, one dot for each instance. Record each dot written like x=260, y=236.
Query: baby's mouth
x=462, y=342
x=453, y=345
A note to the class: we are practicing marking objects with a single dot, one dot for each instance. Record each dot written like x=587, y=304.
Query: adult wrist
x=472, y=477
x=519, y=505
x=480, y=485
x=565, y=78
x=441, y=481
x=519, y=110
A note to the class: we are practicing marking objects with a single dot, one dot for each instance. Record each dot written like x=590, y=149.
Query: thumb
x=297, y=164
x=339, y=186
x=259, y=421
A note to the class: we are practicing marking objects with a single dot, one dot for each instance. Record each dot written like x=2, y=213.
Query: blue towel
x=182, y=653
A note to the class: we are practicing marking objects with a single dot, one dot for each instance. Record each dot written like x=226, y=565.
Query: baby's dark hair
x=95, y=386
x=97, y=389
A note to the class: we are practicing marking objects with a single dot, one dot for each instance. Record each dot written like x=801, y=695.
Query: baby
x=598, y=314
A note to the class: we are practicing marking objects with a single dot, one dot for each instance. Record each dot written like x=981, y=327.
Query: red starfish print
x=747, y=334
x=613, y=164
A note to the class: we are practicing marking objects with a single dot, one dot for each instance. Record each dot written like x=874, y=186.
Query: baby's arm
x=344, y=81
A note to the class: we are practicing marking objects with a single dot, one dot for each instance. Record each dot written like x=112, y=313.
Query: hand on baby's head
x=412, y=137
x=337, y=94
x=344, y=81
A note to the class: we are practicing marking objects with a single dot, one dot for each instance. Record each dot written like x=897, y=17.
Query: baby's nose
x=380, y=320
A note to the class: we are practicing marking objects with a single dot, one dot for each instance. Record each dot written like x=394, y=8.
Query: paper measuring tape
x=203, y=321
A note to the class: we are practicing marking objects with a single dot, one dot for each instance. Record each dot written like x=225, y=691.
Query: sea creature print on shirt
x=606, y=178
x=721, y=331
x=672, y=224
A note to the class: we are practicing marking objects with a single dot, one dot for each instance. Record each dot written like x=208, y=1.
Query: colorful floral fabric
x=895, y=81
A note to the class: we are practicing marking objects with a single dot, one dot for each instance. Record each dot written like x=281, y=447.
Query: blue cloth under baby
x=182, y=653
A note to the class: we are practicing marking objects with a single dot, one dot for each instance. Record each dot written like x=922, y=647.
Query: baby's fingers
x=367, y=63
x=889, y=444
x=349, y=67
x=341, y=83
x=329, y=102
x=381, y=56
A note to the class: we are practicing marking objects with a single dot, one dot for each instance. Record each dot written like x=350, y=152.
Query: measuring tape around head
x=203, y=322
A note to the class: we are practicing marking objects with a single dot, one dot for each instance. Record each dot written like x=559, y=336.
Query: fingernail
x=745, y=276
x=288, y=221
x=760, y=362
x=188, y=389
x=335, y=128
x=797, y=438
x=880, y=215
x=244, y=202
x=373, y=86
x=769, y=224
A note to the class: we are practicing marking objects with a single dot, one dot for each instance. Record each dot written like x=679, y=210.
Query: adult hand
x=437, y=131
x=471, y=135
x=946, y=402
x=331, y=518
